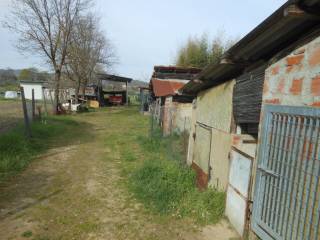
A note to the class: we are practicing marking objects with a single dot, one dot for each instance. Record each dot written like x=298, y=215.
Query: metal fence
x=169, y=120
x=164, y=124
x=287, y=195
x=20, y=110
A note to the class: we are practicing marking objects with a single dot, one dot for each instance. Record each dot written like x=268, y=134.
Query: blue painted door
x=287, y=190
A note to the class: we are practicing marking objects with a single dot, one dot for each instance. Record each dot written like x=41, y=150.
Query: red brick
x=315, y=86
x=281, y=85
x=289, y=69
x=275, y=70
x=296, y=86
x=314, y=59
x=236, y=140
x=273, y=101
x=315, y=104
x=294, y=60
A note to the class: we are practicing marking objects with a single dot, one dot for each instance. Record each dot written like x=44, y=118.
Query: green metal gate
x=287, y=190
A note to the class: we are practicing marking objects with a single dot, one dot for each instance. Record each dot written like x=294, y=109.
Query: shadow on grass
x=17, y=151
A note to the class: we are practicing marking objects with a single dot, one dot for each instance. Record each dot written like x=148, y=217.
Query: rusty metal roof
x=176, y=69
x=114, y=78
x=162, y=88
x=173, y=72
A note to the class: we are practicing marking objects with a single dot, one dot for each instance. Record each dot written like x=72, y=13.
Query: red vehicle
x=115, y=100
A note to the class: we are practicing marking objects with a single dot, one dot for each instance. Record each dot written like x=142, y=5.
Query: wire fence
x=172, y=124
x=23, y=109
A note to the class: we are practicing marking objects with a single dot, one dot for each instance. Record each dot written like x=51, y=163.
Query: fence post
x=25, y=113
x=52, y=103
x=33, y=105
x=44, y=102
x=152, y=119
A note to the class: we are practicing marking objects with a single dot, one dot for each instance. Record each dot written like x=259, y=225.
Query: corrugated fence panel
x=247, y=97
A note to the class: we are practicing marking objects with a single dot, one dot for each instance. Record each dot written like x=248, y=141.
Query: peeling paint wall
x=219, y=162
x=295, y=79
x=182, y=117
x=167, y=116
x=177, y=117
x=192, y=132
x=211, y=147
x=238, y=191
x=214, y=106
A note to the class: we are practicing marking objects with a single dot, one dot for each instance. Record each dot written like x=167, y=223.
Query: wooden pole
x=141, y=100
x=127, y=97
x=33, y=106
x=25, y=113
x=52, y=103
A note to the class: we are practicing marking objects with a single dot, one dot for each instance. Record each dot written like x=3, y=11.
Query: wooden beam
x=127, y=97
x=294, y=11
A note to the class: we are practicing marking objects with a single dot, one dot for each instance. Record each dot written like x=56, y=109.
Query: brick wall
x=295, y=79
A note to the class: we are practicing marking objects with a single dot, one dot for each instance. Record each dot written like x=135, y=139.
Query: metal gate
x=287, y=190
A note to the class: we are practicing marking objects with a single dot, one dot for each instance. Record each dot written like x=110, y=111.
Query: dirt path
x=75, y=192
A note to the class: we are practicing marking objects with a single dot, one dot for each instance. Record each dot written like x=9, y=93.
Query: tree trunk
x=84, y=91
x=76, y=94
x=57, y=77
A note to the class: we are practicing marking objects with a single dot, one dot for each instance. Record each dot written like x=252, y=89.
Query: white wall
x=238, y=191
x=28, y=90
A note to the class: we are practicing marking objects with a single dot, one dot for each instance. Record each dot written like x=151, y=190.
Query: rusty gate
x=287, y=190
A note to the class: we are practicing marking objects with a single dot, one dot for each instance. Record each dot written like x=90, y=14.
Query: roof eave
x=279, y=30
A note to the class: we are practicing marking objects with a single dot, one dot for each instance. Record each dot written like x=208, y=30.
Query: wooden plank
x=25, y=113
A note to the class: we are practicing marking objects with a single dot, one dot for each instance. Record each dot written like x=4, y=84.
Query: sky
x=145, y=33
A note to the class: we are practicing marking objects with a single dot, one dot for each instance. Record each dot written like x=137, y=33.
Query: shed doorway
x=287, y=190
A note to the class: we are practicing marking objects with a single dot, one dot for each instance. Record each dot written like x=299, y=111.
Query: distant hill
x=9, y=80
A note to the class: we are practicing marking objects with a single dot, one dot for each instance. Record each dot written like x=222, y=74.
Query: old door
x=287, y=192
x=201, y=155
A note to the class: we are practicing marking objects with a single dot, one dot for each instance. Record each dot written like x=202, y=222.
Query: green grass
x=165, y=184
x=159, y=177
x=17, y=151
x=27, y=234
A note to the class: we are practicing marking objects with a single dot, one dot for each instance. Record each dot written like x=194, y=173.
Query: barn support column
x=127, y=97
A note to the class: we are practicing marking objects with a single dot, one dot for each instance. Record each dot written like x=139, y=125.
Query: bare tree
x=89, y=50
x=44, y=27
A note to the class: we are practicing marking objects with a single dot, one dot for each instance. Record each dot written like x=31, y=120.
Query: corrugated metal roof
x=162, y=88
x=176, y=69
x=291, y=22
x=173, y=72
x=114, y=78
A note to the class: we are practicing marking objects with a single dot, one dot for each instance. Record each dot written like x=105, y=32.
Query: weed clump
x=167, y=186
